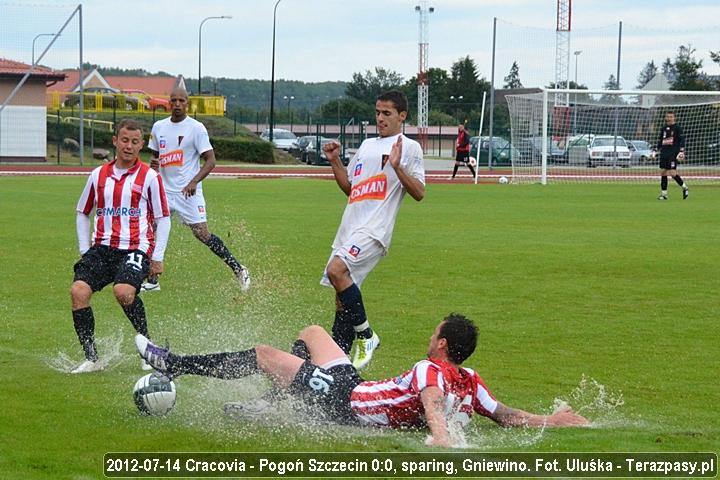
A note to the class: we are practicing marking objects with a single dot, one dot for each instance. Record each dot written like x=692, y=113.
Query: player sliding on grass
x=375, y=181
x=126, y=196
x=177, y=144
x=436, y=393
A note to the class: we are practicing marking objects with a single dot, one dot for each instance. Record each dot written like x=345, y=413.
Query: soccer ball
x=472, y=161
x=154, y=394
x=503, y=180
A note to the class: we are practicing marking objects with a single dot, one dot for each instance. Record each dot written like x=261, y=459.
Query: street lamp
x=200, y=48
x=577, y=54
x=33, y=43
x=272, y=75
x=457, y=103
x=289, y=99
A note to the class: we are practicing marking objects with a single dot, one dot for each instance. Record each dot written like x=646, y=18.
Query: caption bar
x=406, y=465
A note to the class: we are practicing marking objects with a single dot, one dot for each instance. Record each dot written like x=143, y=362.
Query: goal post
x=569, y=135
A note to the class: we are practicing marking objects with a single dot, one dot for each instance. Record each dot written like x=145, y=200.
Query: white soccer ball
x=503, y=180
x=154, y=394
x=472, y=161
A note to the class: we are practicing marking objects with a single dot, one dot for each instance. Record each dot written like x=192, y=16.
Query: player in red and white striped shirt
x=437, y=391
x=125, y=196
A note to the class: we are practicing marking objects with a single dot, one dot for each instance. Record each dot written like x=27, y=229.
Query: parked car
x=608, y=150
x=282, y=139
x=302, y=143
x=154, y=103
x=530, y=150
x=502, y=151
x=111, y=99
x=312, y=157
x=640, y=151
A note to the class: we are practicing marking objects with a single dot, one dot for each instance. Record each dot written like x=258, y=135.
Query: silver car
x=282, y=139
x=640, y=152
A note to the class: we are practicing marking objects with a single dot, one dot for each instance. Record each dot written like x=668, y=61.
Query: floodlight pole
x=199, y=92
x=577, y=54
x=272, y=76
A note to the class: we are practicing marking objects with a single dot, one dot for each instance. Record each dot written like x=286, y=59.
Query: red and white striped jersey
x=124, y=206
x=396, y=402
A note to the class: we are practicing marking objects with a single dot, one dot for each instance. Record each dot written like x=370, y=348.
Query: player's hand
x=332, y=151
x=566, y=417
x=189, y=189
x=680, y=156
x=155, y=164
x=156, y=268
x=431, y=441
x=396, y=153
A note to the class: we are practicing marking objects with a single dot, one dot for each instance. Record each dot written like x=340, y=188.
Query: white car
x=282, y=139
x=609, y=151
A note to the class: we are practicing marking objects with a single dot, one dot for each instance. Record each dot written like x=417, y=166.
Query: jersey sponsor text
x=373, y=188
x=172, y=159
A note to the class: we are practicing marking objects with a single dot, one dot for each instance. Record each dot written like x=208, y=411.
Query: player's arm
x=514, y=417
x=332, y=152
x=154, y=152
x=412, y=185
x=208, y=166
x=433, y=402
x=680, y=139
x=158, y=201
x=82, y=218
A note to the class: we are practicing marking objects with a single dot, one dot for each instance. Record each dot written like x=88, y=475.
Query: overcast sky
x=320, y=40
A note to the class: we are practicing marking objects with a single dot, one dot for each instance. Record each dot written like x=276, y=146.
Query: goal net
x=610, y=135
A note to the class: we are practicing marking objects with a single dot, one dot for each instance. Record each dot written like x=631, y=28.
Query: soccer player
x=375, y=181
x=462, y=151
x=672, y=150
x=437, y=392
x=177, y=143
x=126, y=196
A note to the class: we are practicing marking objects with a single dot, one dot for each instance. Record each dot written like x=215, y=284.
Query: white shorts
x=360, y=253
x=191, y=210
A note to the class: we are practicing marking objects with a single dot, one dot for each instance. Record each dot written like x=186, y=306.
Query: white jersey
x=179, y=146
x=375, y=189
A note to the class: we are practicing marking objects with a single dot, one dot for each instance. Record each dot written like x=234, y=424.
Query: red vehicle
x=155, y=103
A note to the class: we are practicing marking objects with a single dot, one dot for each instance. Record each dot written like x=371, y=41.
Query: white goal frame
x=565, y=96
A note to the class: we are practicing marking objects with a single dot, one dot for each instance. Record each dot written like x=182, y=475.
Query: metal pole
x=82, y=90
x=492, y=97
x=577, y=54
x=617, y=87
x=477, y=154
x=543, y=175
x=272, y=75
x=59, y=136
x=33, y=43
x=199, y=92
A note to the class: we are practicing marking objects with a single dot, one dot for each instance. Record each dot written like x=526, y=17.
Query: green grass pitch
x=595, y=294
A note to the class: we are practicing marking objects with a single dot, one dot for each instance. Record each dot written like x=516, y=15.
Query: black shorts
x=668, y=163
x=102, y=265
x=462, y=157
x=327, y=391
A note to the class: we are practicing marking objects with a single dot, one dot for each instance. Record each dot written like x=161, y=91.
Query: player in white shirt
x=437, y=393
x=178, y=143
x=126, y=197
x=375, y=181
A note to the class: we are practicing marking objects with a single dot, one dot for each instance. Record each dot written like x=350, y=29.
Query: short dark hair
x=127, y=124
x=398, y=99
x=461, y=335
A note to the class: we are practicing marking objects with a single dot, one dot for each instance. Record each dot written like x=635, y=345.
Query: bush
x=243, y=150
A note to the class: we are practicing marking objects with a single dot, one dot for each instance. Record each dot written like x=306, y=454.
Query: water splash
x=596, y=402
x=108, y=349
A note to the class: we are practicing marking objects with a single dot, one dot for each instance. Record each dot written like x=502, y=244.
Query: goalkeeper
x=672, y=150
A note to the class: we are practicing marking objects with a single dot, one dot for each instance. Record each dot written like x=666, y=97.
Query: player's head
x=670, y=117
x=178, y=103
x=390, y=112
x=455, y=337
x=461, y=127
x=128, y=140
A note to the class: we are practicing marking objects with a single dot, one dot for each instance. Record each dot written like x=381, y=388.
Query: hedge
x=229, y=149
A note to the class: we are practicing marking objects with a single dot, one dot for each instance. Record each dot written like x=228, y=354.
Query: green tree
x=513, y=78
x=647, y=74
x=342, y=109
x=366, y=87
x=688, y=73
x=668, y=69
